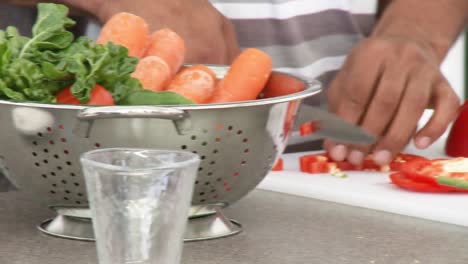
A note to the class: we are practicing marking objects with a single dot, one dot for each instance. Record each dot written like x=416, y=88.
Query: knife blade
x=330, y=126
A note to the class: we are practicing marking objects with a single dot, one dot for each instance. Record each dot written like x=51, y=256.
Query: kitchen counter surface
x=278, y=229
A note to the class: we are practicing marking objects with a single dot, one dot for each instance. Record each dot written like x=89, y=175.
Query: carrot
x=153, y=73
x=196, y=83
x=169, y=46
x=245, y=79
x=128, y=30
x=280, y=84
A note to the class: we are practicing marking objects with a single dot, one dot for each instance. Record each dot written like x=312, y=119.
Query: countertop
x=278, y=229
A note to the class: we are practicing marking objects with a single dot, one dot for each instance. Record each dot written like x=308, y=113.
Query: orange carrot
x=245, y=79
x=128, y=30
x=169, y=46
x=280, y=84
x=153, y=73
x=196, y=83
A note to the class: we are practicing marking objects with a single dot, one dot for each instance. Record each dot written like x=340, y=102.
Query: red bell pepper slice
x=430, y=171
x=308, y=128
x=278, y=166
x=404, y=181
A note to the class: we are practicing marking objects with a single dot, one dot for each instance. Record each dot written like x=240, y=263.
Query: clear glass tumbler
x=139, y=200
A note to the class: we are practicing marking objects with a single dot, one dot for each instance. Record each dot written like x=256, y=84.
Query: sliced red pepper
x=313, y=158
x=367, y=165
x=278, y=166
x=430, y=170
x=346, y=166
x=403, y=158
x=308, y=128
x=321, y=167
x=403, y=180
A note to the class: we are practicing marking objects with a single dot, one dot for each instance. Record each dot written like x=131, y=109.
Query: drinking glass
x=139, y=201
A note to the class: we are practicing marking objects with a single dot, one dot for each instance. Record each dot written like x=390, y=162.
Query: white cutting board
x=371, y=190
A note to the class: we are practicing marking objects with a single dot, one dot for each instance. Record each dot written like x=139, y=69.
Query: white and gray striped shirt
x=306, y=37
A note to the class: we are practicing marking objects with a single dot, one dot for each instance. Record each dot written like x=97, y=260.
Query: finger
x=384, y=104
x=349, y=95
x=413, y=103
x=355, y=91
x=337, y=152
x=333, y=91
x=356, y=88
x=446, y=105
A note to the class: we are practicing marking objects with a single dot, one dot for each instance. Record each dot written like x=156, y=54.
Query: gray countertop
x=278, y=229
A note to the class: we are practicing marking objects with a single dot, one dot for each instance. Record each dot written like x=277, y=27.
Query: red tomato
x=457, y=141
x=99, y=96
x=278, y=166
x=66, y=97
x=280, y=84
x=402, y=180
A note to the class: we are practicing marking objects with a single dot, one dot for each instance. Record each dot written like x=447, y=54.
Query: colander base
x=206, y=227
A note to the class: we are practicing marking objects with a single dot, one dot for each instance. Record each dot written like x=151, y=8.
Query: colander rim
x=191, y=160
x=313, y=87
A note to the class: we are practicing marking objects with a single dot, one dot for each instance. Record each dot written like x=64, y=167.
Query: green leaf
x=35, y=69
x=147, y=97
x=26, y=77
x=3, y=50
x=50, y=30
x=9, y=93
x=108, y=65
x=116, y=70
x=55, y=72
x=16, y=42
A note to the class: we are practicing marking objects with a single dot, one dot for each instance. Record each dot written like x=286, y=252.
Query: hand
x=210, y=37
x=384, y=86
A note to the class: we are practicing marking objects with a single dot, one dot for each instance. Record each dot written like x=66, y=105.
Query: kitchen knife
x=329, y=126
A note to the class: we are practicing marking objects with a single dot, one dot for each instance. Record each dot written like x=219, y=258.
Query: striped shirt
x=307, y=37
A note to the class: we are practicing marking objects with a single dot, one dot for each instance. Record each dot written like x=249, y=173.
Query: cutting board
x=371, y=190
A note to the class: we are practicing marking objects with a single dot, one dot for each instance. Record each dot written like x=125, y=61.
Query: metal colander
x=238, y=143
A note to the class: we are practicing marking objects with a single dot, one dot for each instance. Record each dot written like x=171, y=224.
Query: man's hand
x=385, y=86
x=389, y=79
x=210, y=37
